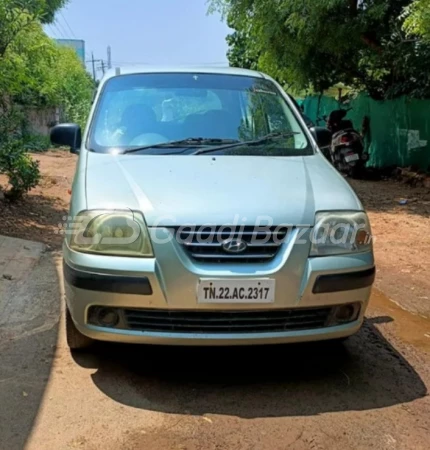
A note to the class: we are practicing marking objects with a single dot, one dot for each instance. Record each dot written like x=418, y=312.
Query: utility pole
x=93, y=63
x=101, y=67
x=109, y=57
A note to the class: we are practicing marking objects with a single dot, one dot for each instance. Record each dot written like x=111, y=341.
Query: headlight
x=116, y=233
x=338, y=233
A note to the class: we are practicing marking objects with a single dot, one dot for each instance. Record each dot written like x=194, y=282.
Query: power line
x=194, y=64
x=57, y=32
x=68, y=26
x=101, y=65
x=52, y=31
x=120, y=63
x=60, y=27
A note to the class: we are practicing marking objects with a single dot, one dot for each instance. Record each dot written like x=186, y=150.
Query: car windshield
x=153, y=113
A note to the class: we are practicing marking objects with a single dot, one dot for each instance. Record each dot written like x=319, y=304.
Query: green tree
x=17, y=15
x=417, y=19
x=318, y=43
x=43, y=10
x=49, y=8
x=73, y=87
x=34, y=71
x=22, y=172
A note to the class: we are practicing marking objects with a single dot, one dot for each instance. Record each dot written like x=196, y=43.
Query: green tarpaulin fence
x=399, y=129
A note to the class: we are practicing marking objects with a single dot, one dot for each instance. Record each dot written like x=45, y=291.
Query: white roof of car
x=127, y=70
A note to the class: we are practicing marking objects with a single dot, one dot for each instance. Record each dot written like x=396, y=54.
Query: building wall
x=40, y=120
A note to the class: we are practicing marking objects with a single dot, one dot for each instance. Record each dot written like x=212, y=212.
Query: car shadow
x=28, y=337
x=250, y=382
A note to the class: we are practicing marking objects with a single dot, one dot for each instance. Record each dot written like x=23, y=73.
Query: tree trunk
x=371, y=43
x=353, y=6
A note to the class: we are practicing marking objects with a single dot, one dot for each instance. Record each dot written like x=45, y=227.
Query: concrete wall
x=41, y=120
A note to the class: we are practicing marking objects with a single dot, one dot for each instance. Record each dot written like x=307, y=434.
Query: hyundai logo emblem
x=234, y=246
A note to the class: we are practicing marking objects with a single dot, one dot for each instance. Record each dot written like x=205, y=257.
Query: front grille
x=206, y=244
x=226, y=322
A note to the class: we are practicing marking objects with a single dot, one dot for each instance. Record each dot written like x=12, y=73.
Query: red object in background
x=345, y=139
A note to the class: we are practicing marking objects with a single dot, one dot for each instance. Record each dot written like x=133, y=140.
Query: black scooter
x=347, y=149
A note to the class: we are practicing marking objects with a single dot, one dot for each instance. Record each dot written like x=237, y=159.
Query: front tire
x=75, y=339
x=356, y=172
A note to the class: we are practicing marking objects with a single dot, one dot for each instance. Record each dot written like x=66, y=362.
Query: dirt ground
x=371, y=392
x=37, y=216
x=402, y=240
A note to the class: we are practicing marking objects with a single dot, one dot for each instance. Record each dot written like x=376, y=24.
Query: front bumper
x=200, y=339
x=169, y=283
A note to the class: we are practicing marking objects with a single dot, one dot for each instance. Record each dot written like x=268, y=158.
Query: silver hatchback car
x=204, y=213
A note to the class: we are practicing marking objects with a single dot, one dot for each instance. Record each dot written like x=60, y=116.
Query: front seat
x=137, y=119
x=213, y=124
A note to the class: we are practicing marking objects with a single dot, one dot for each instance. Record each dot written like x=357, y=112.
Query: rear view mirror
x=68, y=135
x=322, y=136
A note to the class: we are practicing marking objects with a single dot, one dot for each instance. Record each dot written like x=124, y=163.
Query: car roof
x=129, y=70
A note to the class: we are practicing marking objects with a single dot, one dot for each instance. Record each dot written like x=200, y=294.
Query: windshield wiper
x=189, y=142
x=269, y=137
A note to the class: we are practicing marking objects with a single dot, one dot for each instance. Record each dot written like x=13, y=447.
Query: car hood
x=198, y=190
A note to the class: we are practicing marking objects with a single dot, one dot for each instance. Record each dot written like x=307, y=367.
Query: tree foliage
x=22, y=172
x=36, y=72
x=17, y=15
x=318, y=43
x=42, y=10
x=49, y=8
x=417, y=19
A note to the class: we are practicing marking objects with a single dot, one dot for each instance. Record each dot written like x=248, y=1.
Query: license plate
x=349, y=158
x=236, y=291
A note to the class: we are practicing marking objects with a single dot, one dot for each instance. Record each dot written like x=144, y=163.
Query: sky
x=159, y=32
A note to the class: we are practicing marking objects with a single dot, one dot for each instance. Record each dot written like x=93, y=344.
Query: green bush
x=17, y=165
x=36, y=143
x=15, y=162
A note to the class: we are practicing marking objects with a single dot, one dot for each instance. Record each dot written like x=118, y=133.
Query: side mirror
x=322, y=136
x=308, y=121
x=68, y=135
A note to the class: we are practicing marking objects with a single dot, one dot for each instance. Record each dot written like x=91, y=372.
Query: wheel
x=356, y=172
x=75, y=339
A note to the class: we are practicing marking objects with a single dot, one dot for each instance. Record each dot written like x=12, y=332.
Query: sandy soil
x=37, y=216
x=369, y=393
x=402, y=240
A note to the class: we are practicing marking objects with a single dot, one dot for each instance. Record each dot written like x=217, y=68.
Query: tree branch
x=353, y=6
x=371, y=43
x=14, y=33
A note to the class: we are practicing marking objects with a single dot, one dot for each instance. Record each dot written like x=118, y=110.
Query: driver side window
x=262, y=114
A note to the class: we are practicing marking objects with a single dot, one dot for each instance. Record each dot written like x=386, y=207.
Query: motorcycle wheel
x=356, y=172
